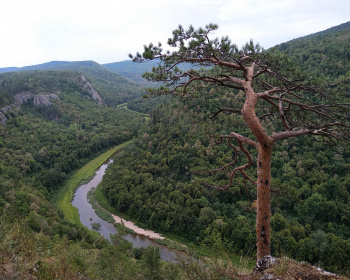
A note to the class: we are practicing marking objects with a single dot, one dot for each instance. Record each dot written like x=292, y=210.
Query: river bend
x=88, y=217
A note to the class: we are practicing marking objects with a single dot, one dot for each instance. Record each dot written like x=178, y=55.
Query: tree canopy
x=275, y=90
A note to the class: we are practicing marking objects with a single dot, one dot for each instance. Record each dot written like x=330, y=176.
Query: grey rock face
x=38, y=99
x=86, y=85
x=3, y=119
x=44, y=99
x=4, y=110
x=22, y=97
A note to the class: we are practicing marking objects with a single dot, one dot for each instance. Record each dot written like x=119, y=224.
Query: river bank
x=130, y=225
x=65, y=195
x=89, y=218
x=112, y=218
x=70, y=190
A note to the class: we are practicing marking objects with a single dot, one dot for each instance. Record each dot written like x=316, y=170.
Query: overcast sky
x=38, y=31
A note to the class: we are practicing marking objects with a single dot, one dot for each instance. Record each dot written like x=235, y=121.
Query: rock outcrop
x=24, y=97
x=86, y=85
x=46, y=99
x=3, y=118
x=264, y=263
x=4, y=110
x=38, y=99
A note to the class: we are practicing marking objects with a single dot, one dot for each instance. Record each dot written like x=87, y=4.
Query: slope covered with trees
x=52, y=139
x=113, y=88
x=325, y=54
x=162, y=188
x=158, y=181
x=40, y=146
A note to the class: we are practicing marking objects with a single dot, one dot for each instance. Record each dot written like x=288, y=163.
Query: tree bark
x=263, y=204
x=264, y=148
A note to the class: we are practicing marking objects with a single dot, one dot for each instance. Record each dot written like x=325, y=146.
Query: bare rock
x=4, y=110
x=264, y=263
x=44, y=99
x=3, y=118
x=38, y=99
x=22, y=97
x=92, y=92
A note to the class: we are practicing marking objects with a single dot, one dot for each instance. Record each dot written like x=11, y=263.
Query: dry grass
x=287, y=269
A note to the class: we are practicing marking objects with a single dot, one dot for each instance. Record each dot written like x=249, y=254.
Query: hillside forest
x=55, y=117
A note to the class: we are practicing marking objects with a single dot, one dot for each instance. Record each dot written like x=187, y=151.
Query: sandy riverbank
x=136, y=229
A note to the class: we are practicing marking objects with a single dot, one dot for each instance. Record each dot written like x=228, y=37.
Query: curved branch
x=241, y=138
x=315, y=130
x=288, y=134
x=239, y=168
x=282, y=115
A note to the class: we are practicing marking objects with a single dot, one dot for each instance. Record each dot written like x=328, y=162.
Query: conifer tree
x=274, y=90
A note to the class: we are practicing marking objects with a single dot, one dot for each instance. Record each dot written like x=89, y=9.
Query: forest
x=158, y=180
x=158, y=183
x=164, y=174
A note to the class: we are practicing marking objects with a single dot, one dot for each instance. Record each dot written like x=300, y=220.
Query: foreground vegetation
x=157, y=181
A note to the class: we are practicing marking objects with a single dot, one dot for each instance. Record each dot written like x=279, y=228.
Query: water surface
x=88, y=217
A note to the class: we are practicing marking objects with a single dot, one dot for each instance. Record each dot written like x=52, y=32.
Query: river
x=88, y=217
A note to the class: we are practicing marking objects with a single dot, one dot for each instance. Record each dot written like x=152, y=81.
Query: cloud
x=38, y=31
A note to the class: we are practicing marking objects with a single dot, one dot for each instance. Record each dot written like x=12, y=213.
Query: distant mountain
x=53, y=65
x=134, y=71
x=341, y=27
x=8, y=69
x=326, y=52
x=113, y=88
x=51, y=125
x=131, y=70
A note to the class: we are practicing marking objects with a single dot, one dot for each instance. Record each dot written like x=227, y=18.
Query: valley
x=60, y=121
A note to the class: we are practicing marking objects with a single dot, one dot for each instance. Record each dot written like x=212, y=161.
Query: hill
x=161, y=179
x=53, y=125
x=132, y=71
x=113, y=88
x=326, y=52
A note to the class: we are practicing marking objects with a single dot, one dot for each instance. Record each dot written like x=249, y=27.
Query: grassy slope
x=65, y=196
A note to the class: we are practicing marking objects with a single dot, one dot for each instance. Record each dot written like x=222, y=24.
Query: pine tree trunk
x=263, y=204
x=265, y=146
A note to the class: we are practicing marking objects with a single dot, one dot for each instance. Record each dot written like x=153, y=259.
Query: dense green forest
x=157, y=183
x=47, y=142
x=40, y=146
x=113, y=88
x=325, y=54
x=158, y=180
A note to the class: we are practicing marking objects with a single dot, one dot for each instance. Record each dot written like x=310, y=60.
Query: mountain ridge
x=41, y=146
x=124, y=65
x=113, y=88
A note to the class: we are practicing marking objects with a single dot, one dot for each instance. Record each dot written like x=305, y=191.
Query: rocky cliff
x=86, y=85
x=28, y=97
x=38, y=99
x=25, y=97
